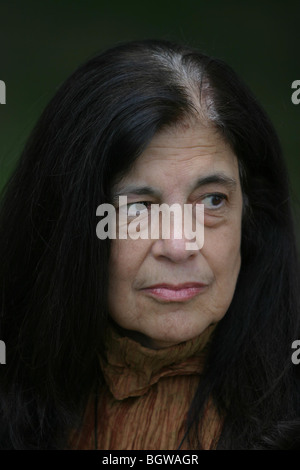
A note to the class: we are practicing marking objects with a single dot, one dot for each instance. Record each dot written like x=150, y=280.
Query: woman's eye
x=134, y=209
x=213, y=201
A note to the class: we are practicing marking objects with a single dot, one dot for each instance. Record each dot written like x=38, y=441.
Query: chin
x=171, y=339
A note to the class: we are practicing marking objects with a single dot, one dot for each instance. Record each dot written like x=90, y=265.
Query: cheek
x=126, y=257
x=221, y=250
x=121, y=264
x=222, y=253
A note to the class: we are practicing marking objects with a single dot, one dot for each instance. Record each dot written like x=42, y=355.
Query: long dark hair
x=53, y=268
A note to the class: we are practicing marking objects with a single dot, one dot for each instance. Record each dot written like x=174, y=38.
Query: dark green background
x=41, y=43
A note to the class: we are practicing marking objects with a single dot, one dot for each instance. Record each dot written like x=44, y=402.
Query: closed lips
x=176, y=287
x=174, y=293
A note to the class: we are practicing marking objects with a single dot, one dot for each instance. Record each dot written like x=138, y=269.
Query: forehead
x=180, y=154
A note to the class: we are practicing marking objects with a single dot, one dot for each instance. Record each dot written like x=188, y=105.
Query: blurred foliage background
x=42, y=42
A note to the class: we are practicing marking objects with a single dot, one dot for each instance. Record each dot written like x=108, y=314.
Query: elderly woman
x=139, y=342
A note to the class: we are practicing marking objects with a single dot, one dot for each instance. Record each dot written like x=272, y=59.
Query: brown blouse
x=147, y=395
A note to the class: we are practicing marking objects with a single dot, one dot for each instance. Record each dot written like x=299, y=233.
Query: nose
x=173, y=249
x=173, y=243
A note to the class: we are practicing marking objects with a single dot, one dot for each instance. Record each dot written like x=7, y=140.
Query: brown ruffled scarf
x=147, y=395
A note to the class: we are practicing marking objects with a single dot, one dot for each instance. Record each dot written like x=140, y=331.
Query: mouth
x=175, y=293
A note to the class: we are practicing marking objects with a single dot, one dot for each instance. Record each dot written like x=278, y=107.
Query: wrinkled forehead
x=179, y=156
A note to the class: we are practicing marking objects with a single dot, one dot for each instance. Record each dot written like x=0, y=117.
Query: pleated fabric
x=147, y=395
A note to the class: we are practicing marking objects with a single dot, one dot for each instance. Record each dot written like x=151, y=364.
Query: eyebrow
x=215, y=178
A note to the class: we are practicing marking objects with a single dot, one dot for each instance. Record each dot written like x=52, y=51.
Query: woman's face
x=159, y=291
